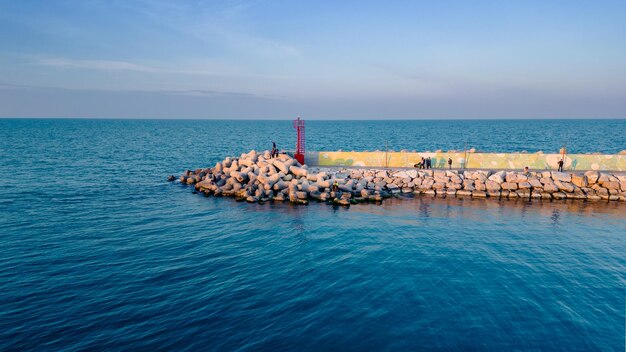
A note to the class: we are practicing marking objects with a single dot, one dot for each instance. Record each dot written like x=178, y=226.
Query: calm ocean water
x=99, y=252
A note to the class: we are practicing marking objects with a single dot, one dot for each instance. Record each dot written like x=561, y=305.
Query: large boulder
x=456, y=179
x=546, y=195
x=561, y=176
x=564, y=186
x=392, y=186
x=494, y=194
x=511, y=177
x=492, y=185
x=601, y=191
x=580, y=180
x=592, y=177
x=452, y=185
x=509, y=185
x=546, y=180
x=482, y=176
x=441, y=178
x=611, y=185
x=550, y=187
x=428, y=183
x=604, y=178
x=535, y=183
x=498, y=177
x=401, y=174
x=439, y=185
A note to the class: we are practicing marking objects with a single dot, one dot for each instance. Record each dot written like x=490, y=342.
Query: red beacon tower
x=298, y=124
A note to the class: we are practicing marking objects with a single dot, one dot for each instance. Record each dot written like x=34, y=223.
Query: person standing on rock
x=450, y=163
x=560, y=165
x=274, y=152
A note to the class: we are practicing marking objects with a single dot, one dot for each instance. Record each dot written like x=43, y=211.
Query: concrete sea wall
x=500, y=161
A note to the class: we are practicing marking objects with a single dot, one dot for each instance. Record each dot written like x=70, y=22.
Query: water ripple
x=100, y=253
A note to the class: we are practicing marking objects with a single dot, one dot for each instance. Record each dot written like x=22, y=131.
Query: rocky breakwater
x=256, y=177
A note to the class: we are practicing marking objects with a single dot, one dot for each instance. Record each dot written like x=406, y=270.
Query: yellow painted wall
x=611, y=162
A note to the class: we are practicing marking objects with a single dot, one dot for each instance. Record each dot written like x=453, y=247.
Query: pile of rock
x=256, y=177
x=591, y=185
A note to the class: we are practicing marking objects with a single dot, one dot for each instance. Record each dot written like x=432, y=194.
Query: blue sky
x=274, y=59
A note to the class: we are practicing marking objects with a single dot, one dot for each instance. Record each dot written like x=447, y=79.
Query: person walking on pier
x=560, y=165
x=429, y=164
x=450, y=163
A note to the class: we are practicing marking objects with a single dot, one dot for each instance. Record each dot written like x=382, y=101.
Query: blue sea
x=99, y=252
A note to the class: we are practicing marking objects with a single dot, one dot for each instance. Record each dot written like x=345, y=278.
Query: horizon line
x=316, y=119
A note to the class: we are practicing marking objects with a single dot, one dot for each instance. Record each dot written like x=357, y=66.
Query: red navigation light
x=298, y=124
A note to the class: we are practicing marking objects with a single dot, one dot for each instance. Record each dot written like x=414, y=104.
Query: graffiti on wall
x=537, y=161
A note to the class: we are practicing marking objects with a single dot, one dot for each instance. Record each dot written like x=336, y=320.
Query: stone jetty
x=256, y=177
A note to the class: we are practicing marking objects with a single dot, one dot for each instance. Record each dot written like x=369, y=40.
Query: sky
x=322, y=59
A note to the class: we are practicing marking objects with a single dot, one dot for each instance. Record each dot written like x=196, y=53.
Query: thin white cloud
x=183, y=92
x=101, y=65
x=114, y=65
